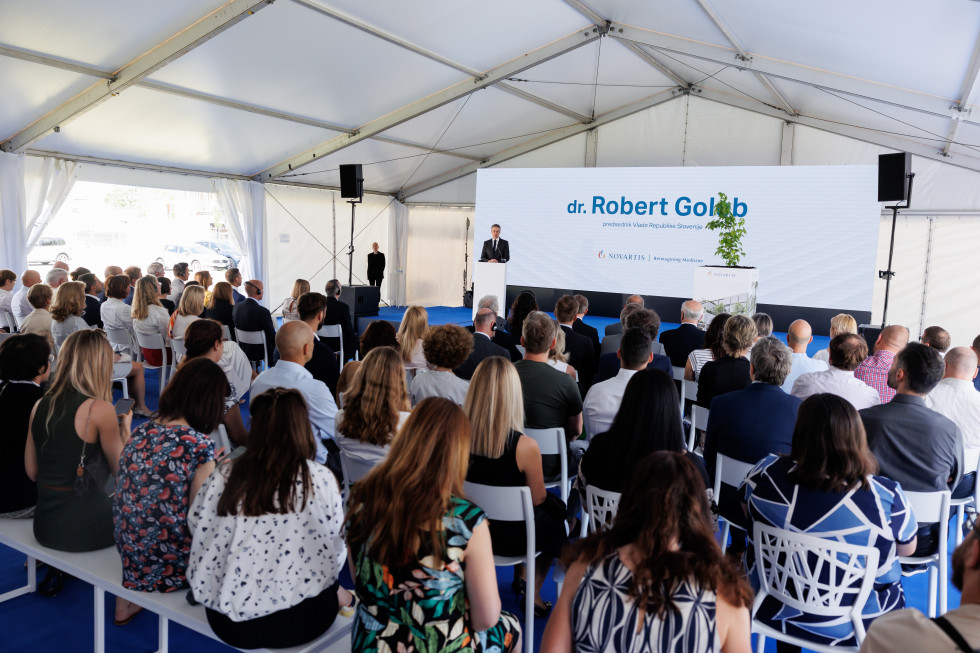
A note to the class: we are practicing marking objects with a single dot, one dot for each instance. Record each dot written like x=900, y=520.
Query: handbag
x=95, y=474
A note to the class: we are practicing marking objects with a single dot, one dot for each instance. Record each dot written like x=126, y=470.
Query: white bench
x=103, y=570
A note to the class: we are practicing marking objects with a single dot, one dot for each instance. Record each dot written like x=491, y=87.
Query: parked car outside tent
x=196, y=255
x=225, y=248
x=48, y=250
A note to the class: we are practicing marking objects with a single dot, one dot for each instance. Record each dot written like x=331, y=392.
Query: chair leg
x=529, y=606
x=724, y=537
x=933, y=587
x=760, y=643
x=584, y=524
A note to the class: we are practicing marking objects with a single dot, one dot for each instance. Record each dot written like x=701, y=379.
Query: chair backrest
x=150, y=340
x=180, y=350
x=699, y=420
x=552, y=443
x=691, y=389
x=354, y=470
x=120, y=337
x=334, y=331
x=678, y=373
x=730, y=472
x=225, y=332
x=7, y=320
x=504, y=504
x=601, y=506
x=521, y=349
x=818, y=577
x=250, y=337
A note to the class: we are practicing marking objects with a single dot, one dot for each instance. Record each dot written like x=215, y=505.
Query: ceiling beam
x=789, y=71
x=544, y=140
x=429, y=54
x=230, y=13
x=967, y=89
x=744, y=56
x=461, y=89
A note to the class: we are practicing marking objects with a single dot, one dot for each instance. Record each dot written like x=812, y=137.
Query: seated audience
x=799, y=335
x=444, y=347
x=581, y=328
x=78, y=272
x=151, y=318
x=915, y=446
x=490, y=302
x=163, y=464
x=339, y=313
x=648, y=320
x=524, y=304
x=8, y=278
x=375, y=407
x=164, y=296
x=202, y=339
x=110, y=271
x=763, y=325
x=66, y=311
x=133, y=274
x=409, y=526
x=250, y=315
x=938, y=338
x=826, y=487
x=483, y=345
x=680, y=342
x=155, y=269
x=25, y=363
x=115, y=313
x=234, y=278
x=610, y=341
x=956, y=398
x=731, y=371
x=60, y=265
x=55, y=278
x=579, y=349
x=714, y=348
x=39, y=320
x=500, y=455
x=840, y=323
x=603, y=399
x=347, y=378
x=203, y=277
x=19, y=305
x=847, y=350
x=273, y=499
x=410, y=333
x=557, y=357
x=295, y=343
x=181, y=274
x=379, y=333
x=189, y=310
x=290, y=305
x=656, y=581
x=618, y=327
x=648, y=420
x=220, y=306
x=873, y=370
x=93, y=307
x=312, y=307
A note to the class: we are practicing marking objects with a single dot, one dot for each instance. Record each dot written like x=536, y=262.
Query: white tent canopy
x=425, y=93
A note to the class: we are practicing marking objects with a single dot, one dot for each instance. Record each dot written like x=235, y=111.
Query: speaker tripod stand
x=350, y=248
x=889, y=273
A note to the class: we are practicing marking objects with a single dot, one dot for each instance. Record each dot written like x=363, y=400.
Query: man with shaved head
x=800, y=335
x=295, y=343
x=19, y=305
x=60, y=265
x=680, y=342
x=873, y=370
x=956, y=398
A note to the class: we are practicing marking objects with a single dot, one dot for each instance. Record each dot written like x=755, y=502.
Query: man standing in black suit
x=249, y=315
x=339, y=313
x=581, y=356
x=496, y=249
x=376, y=266
x=680, y=342
x=483, y=346
x=581, y=328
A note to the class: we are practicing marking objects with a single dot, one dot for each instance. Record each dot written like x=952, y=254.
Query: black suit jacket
x=483, y=348
x=616, y=328
x=339, y=313
x=583, y=329
x=680, y=342
x=323, y=366
x=93, y=311
x=376, y=265
x=222, y=312
x=502, y=252
x=249, y=315
x=581, y=356
x=507, y=340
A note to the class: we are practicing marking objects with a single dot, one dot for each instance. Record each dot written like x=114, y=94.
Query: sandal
x=542, y=611
x=53, y=583
x=140, y=413
x=123, y=622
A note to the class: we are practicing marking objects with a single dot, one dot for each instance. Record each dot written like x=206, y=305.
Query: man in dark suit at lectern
x=496, y=249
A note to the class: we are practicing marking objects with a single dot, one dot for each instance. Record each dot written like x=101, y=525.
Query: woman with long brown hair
x=416, y=545
x=276, y=500
x=203, y=277
x=410, y=333
x=220, y=305
x=375, y=406
x=656, y=580
x=290, y=305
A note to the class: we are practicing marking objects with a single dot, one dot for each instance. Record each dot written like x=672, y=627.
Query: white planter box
x=726, y=290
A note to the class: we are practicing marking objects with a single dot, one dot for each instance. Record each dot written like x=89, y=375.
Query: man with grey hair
x=610, y=342
x=680, y=342
x=155, y=269
x=955, y=397
x=749, y=424
x=181, y=274
x=616, y=328
x=55, y=278
x=491, y=302
x=800, y=335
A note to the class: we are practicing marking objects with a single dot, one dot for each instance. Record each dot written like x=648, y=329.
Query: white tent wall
x=438, y=240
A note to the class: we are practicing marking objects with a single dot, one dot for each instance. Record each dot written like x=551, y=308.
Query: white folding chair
x=123, y=338
x=254, y=338
x=180, y=350
x=679, y=377
x=512, y=504
x=552, y=443
x=334, y=331
x=929, y=508
x=600, y=508
x=221, y=440
x=7, y=320
x=354, y=470
x=521, y=349
x=731, y=472
x=699, y=420
x=971, y=463
x=815, y=576
x=155, y=341
x=225, y=332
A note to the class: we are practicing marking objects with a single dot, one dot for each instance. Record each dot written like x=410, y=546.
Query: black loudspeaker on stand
x=894, y=185
x=351, y=186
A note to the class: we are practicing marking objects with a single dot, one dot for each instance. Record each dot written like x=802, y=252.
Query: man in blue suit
x=749, y=424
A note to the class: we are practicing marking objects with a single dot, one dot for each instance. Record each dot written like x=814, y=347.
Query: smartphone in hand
x=124, y=405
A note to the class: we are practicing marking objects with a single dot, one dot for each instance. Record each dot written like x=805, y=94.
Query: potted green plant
x=729, y=288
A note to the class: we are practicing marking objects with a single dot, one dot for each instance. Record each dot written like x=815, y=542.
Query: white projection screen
x=811, y=230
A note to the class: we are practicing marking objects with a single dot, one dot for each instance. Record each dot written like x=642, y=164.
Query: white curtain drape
x=397, y=253
x=243, y=202
x=46, y=191
x=13, y=212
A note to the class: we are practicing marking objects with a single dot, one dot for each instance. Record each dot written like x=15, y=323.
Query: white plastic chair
x=254, y=338
x=221, y=439
x=7, y=320
x=731, y=472
x=929, y=508
x=334, y=331
x=123, y=338
x=600, y=509
x=354, y=470
x=512, y=504
x=180, y=350
x=814, y=576
x=552, y=443
x=699, y=420
x=679, y=377
x=521, y=349
x=225, y=332
x=155, y=341
x=971, y=462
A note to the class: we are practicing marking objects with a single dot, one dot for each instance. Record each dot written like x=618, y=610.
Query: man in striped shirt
x=873, y=370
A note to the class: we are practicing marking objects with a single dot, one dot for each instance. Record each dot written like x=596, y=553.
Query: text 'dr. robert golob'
x=682, y=207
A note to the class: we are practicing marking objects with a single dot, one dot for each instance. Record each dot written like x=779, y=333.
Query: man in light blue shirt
x=800, y=335
x=295, y=344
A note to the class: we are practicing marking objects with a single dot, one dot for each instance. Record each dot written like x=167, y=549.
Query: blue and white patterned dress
x=878, y=516
x=605, y=617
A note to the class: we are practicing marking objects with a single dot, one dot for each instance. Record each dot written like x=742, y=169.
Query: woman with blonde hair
x=375, y=406
x=557, y=358
x=203, y=277
x=290, y=305
x=422, y=559
x=220, y=306
x=190, y=309
x=501, y=455
x=66, y=311
x=410, y=332
x=150, y=317
x=840, y=323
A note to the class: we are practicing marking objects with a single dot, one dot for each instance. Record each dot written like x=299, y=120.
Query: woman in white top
x=290, y=305
x=116, y=314
x=713, y=348
x=410, y=332
x=557, y=358
x=267, y=533
x=840, y=323
x=375, y=407
x=151, y=318
x=190, y=309
x=446, y=347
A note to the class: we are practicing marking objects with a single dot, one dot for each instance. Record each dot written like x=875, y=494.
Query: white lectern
x=490, y=279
